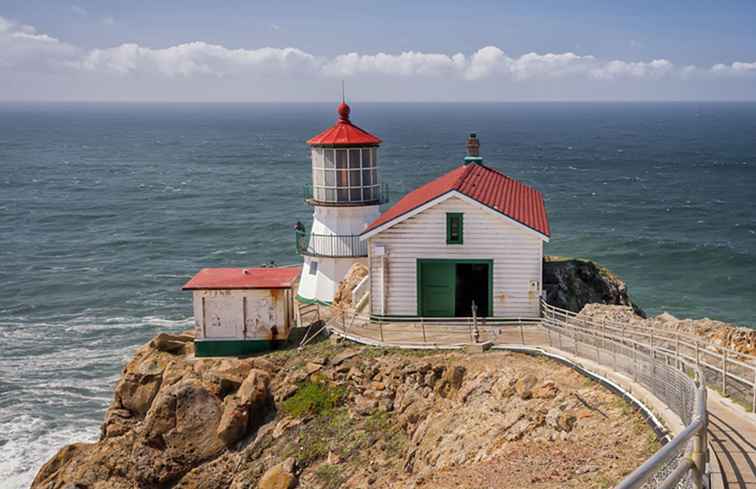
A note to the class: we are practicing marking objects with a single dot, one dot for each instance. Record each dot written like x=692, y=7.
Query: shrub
x=313, y=398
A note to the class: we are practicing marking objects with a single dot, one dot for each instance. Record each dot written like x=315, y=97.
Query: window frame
x=338, y=184
x=450, y=218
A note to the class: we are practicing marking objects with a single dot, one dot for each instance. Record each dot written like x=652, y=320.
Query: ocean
x=107, y=209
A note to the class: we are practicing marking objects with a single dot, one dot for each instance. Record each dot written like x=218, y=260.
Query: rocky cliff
x=571, y=283
x=714, y=332
x=341, y=416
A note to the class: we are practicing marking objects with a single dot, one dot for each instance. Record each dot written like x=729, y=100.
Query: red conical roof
x=344, y=133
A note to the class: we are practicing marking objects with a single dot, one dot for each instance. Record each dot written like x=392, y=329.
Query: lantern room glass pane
x=366, y=158
x=341, y=158
x=343, y=194
x=342, y=178
x=355, y=195
x=354, y=178
x=330, y=178
x=354, y=158
x=366, y=177
x=330, y=194
x=329, y=158
x=367, y=194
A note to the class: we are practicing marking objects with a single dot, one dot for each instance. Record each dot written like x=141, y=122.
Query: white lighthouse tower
x=345, y=194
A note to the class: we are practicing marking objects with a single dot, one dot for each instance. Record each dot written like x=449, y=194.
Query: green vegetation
x=330, y=476
x=313, y=398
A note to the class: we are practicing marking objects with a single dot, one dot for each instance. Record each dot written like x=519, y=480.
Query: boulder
x=343, y=296
x=254, y=389
x=234, y=421
x=524, y=386
x=571, y=283
x=279, y=476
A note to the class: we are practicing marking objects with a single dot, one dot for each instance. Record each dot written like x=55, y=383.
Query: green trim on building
x=452, y=279
x=233, y=348
x=455, y=219
x=305, y=300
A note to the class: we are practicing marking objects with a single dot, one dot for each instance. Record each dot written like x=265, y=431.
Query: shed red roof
x=483, y=184
x=244, y=278
x=344, y=133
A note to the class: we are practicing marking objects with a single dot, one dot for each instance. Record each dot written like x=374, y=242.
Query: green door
x=436, y=288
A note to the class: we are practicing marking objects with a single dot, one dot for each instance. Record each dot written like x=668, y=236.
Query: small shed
x=238, y=311
x=471, y=236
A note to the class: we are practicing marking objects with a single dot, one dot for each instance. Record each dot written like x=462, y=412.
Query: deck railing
x=370, y=194
x=331, y=245
x=728, y=371
x=668, y=375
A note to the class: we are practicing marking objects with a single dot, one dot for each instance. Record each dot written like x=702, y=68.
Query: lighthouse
x=345, y=194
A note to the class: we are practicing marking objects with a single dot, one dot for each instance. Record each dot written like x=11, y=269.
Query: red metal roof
x=344, y=133
x=244, y=278
x=486, y=185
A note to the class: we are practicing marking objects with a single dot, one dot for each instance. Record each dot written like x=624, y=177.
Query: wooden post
x=422, y=325
x=244, y=317
x=204, y=319
x=522, y=334
x=380, y=328
x=724, y=372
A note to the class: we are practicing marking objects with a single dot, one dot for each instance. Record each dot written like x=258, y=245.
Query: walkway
x=732, y=443
x=732, y=431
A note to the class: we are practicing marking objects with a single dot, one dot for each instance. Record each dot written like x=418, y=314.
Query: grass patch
x=313, y=398
x=330, y=476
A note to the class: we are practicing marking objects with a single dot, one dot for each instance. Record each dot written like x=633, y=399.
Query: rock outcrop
x=571, y=283
x=343, y=296
x=340, y=416
x=716, y=333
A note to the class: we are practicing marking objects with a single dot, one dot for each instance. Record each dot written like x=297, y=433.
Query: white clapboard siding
x=517, y=256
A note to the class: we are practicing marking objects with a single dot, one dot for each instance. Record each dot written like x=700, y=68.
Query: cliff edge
x=335, y=415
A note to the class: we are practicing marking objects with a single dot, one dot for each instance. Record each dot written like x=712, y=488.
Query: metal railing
x=730, y=372
x=674, y=379
x=369, y=194
x=331, y=245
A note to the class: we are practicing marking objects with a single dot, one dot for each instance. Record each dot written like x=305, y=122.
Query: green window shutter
x=454, y=228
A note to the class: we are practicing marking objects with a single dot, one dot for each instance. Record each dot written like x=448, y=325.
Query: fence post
x=699, y=459
x=380, y=328
x=422, y=325
x=698, y=355
x=724, y=373
x=522, y=334
x=653, y=354
x=677, y=351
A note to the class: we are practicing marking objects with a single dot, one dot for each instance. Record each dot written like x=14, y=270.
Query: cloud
x=736, y=68
x=25, y=50
x=406, y=64
x=108, y=20
x=79, y=10
x=196, y=58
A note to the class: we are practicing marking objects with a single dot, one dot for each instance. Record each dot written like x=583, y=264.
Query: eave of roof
x=244, y=278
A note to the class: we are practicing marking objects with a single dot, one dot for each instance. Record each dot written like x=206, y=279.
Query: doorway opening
x=471, y=288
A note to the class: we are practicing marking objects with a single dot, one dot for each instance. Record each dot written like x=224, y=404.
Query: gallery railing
x=373, y=194
x=331, y=245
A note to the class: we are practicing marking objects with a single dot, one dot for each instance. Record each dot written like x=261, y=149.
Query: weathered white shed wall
x=222, y=315
x=517, y=256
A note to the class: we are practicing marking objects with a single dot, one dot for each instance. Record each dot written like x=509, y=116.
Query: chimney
x=473, y=149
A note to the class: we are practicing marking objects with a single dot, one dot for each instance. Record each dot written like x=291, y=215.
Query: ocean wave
x=28, y=441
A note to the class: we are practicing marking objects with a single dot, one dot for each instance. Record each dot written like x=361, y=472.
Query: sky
x=278, y=51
